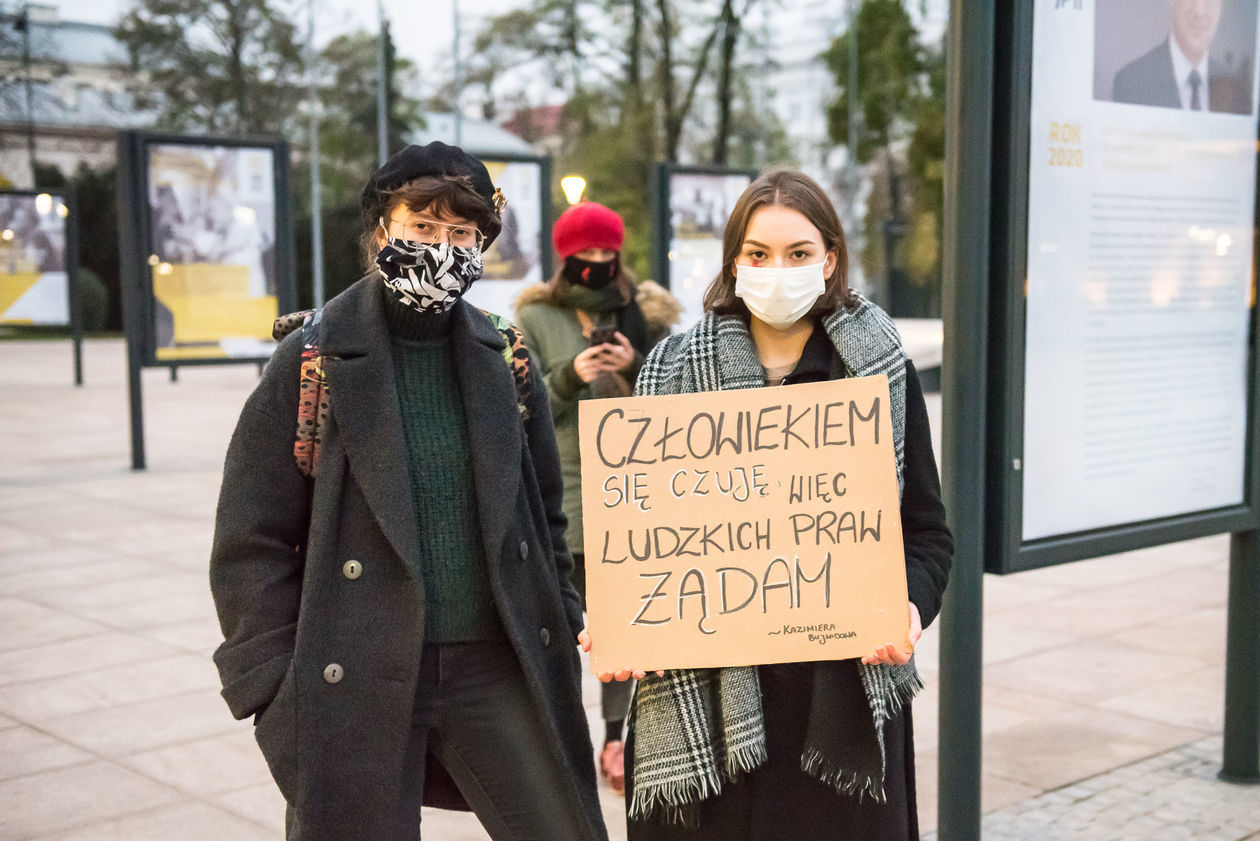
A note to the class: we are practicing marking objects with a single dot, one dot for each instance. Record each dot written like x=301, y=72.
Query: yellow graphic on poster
x=33, y=285
x=213, y=263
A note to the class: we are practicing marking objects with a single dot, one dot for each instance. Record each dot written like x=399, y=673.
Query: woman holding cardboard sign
x=827, y=748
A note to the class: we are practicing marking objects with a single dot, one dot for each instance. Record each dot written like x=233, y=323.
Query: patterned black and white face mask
x=428, y=277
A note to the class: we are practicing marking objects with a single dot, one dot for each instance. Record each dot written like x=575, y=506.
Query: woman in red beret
x=589, y=328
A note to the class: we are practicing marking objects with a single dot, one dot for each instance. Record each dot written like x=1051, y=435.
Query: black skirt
x=778, y=800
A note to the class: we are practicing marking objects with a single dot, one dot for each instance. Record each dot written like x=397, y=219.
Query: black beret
x=436, y=158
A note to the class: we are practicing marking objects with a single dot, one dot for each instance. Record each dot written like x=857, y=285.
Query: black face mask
x=589, y=274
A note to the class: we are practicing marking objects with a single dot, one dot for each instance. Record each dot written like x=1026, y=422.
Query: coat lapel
x=364, y=399
x=494, y=421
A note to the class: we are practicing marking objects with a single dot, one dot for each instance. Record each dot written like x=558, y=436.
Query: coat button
x=352, y=569
x=545, y=636
x=524, y=551
x=333, y=673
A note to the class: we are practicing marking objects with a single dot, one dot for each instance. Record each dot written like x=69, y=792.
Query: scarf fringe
x=905, y=691
x=851, y=783
x=673, y=799
x=742, y=761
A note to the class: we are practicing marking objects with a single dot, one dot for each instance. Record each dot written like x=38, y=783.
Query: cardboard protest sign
x=742, y=527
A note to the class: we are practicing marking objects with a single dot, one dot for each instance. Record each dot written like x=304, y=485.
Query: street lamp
x=573, y=185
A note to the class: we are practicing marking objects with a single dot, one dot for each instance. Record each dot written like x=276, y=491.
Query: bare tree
x=227, y=66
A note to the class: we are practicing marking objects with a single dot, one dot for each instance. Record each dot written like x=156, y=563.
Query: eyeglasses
x=430, y=232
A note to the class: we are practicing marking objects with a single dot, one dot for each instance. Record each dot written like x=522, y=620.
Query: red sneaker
x=612, y=765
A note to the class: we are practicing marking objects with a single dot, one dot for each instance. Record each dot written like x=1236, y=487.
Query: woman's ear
x=381, y=236
x=829, y=265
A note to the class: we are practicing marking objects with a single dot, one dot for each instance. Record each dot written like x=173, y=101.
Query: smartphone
x=604, y=336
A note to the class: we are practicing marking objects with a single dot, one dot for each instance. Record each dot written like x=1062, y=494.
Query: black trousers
x=473, y=711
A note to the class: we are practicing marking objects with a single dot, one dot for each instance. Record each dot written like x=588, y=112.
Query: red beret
x=587, y=225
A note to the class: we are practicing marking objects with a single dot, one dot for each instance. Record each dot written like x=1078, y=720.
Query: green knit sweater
x=459, y=605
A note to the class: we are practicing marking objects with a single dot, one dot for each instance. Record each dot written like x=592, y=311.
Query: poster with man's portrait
x=33, y=285
x=1139, y=262
x=1195, y=55
x=212, y=214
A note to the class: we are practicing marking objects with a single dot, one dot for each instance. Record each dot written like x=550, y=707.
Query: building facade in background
x=79, y=81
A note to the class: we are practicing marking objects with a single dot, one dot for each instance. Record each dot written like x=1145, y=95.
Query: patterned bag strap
x=312, y=412
x=516, y=354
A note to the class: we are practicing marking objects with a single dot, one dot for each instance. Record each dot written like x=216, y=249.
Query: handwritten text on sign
x=742, y=527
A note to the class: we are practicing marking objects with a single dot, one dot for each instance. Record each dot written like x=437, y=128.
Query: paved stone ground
x=1173, y=796
x=1103, y=679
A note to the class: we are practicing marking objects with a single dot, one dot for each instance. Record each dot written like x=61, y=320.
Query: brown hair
x=783, y=187
x=444, y=194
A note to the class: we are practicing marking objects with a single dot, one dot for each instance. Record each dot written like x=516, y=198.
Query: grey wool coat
x=327, y=663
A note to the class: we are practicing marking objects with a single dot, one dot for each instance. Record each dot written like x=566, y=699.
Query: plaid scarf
x=696, y=729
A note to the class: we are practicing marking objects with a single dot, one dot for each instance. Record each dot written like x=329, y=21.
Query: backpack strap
x=312, y=411
x=516, y=354
x=313, y=399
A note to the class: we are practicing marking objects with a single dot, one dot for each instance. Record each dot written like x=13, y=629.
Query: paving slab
x=25, y=751
x=27, y=624
x=206, y=767
x=185, y=821
x=79, y=796
x=107, y=649
x=123, y=730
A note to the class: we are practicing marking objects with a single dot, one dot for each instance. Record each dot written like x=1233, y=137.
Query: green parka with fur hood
x=555, y=336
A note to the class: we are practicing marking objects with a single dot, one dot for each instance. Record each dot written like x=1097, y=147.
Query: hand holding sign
x=584, y=640
x=888, y=654
x=737, y=528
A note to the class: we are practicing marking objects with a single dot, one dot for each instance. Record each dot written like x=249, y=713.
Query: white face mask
x=779, y=296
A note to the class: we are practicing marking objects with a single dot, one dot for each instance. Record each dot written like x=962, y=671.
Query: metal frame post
x=1242, y=662
x=72, y=282
x=964, y=378
x=131, y=284
x=382, y=118
x=659, y=187
x=546, y=216
x=317, y=209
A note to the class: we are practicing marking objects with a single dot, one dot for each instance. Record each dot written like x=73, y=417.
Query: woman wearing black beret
x=389, y=563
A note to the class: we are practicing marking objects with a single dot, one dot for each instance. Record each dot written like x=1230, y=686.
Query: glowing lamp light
x=7, y=235
x=62, y=210
x=573, y=185
x=43, y=204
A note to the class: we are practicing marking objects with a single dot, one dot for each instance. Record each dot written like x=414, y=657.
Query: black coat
x=289, y=610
